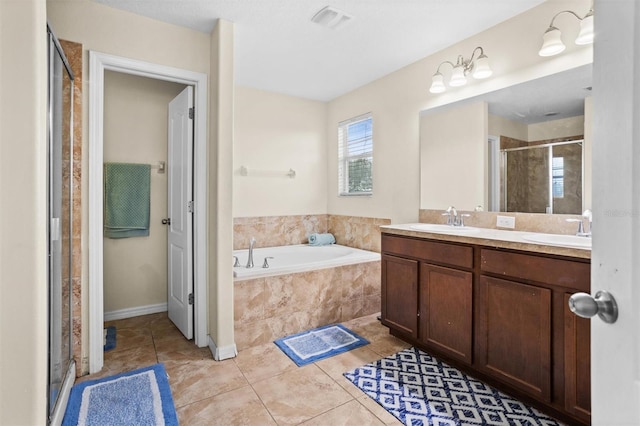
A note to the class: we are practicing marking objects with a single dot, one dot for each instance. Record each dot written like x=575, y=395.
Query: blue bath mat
x=110, y=338
x=419, y=389
x=319, y=343
x=139, y=397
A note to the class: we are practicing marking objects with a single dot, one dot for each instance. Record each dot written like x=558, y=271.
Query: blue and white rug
x=139, y=397
x=319, y=343
x=419, y=389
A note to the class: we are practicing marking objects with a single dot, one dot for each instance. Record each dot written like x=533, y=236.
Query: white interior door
x=180, y=212
x=615, y=348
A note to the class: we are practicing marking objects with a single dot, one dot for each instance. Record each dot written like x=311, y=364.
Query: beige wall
x=396, y=100
x=500, y=126
x=135, y=131
x=108, y=30
x=461, y=134
x=272, y=134
x=220, y=220
x=553, y=129
x=23, y=246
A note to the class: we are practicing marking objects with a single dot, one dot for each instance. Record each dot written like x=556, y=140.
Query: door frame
x=98, y=64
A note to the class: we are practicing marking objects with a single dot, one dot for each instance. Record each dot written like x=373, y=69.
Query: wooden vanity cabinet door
x=514, y=335
x=400, y=294
x=577, y=364
x=446, y=311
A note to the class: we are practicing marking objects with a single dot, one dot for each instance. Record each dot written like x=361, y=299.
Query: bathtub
x=298, y=258
x=303, y=288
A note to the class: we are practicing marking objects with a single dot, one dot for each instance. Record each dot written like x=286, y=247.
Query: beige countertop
x=496, y=238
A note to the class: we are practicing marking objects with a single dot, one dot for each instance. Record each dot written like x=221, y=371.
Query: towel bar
x=244, y=171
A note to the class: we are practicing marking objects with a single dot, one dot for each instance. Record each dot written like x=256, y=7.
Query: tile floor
x=261, y=386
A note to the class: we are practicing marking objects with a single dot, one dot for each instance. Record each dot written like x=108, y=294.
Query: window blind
x=355, y=156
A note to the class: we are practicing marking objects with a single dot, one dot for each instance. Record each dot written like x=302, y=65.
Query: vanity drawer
x=429, y=251
x=559, y=272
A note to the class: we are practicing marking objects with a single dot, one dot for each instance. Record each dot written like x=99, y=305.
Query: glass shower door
x=59, y=166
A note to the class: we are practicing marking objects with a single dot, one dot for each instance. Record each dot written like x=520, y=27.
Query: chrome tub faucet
x=252, y=241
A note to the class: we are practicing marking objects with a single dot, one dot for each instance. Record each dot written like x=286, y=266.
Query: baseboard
x=135, y=312
x=224, y=352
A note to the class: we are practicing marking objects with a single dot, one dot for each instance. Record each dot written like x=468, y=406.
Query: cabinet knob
x=586, y=306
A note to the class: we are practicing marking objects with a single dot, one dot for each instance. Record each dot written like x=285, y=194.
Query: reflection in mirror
x=528, y=128
x=545, y=178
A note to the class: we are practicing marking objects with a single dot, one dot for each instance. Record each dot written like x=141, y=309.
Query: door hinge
x=192, y=112
x=191, y=298
x=190, y=206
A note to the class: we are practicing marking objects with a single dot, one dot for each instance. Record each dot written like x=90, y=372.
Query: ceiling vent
x=331, y=17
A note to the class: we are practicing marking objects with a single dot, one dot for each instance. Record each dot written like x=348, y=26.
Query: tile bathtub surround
x=271, y=231
x=529, y=222
x=358, y=232
x=272, y=307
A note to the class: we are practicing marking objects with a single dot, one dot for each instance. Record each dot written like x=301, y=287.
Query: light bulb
x=437, y=84
x=551, y=42
x=481, y=69
x=457, y=76
x=586, y=30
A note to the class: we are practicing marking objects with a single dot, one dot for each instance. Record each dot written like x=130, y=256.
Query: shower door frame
x=56, y=406
x=549, y=146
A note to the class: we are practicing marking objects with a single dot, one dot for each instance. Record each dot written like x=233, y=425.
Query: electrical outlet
x=506, y=222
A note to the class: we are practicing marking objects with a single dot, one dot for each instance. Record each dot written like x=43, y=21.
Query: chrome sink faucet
x=252, y=241
x=589, y=226
x=584, y=230
x=453, y=218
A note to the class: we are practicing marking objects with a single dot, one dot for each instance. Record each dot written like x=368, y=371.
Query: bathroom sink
x=445, y=229
x=560, y=240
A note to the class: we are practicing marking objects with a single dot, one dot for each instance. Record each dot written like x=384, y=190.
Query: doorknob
x=586, y=306
x=166, y=221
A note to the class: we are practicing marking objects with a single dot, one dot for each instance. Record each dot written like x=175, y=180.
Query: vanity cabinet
x=577, y=363
x=440, y=279
x=500, y=314
x=514, y=335
x=445, y=322
x=399, y=302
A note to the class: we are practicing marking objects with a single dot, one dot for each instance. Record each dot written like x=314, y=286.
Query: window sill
x=355, y=194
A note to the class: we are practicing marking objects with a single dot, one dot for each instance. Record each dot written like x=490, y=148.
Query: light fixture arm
x=560, y=13
x=442, y=63
x=467, y=65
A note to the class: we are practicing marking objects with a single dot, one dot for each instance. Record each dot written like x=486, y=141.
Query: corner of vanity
x=494, y=305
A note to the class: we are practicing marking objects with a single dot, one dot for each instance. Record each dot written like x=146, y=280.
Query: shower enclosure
x=59, y=213
x=546, y=178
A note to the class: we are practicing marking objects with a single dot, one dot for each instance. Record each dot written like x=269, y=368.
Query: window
x=557, y=172
x=355, y=156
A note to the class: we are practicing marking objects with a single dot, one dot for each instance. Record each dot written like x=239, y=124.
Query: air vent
x=331, y=17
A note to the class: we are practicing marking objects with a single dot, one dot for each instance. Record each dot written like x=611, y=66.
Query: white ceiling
x=278, y=48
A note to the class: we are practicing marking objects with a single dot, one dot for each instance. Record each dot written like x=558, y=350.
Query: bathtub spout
x=252, y=241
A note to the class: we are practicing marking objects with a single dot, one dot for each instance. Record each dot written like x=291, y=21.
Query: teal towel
x=321, y=239
x=126, y=200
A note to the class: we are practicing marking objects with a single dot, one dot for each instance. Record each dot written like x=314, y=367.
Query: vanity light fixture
x=479, y=69
x=552, y=42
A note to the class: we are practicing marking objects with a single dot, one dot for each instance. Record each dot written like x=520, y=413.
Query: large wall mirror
x=524, y=148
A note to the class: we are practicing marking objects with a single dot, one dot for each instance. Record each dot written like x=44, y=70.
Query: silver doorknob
x=586, y=306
